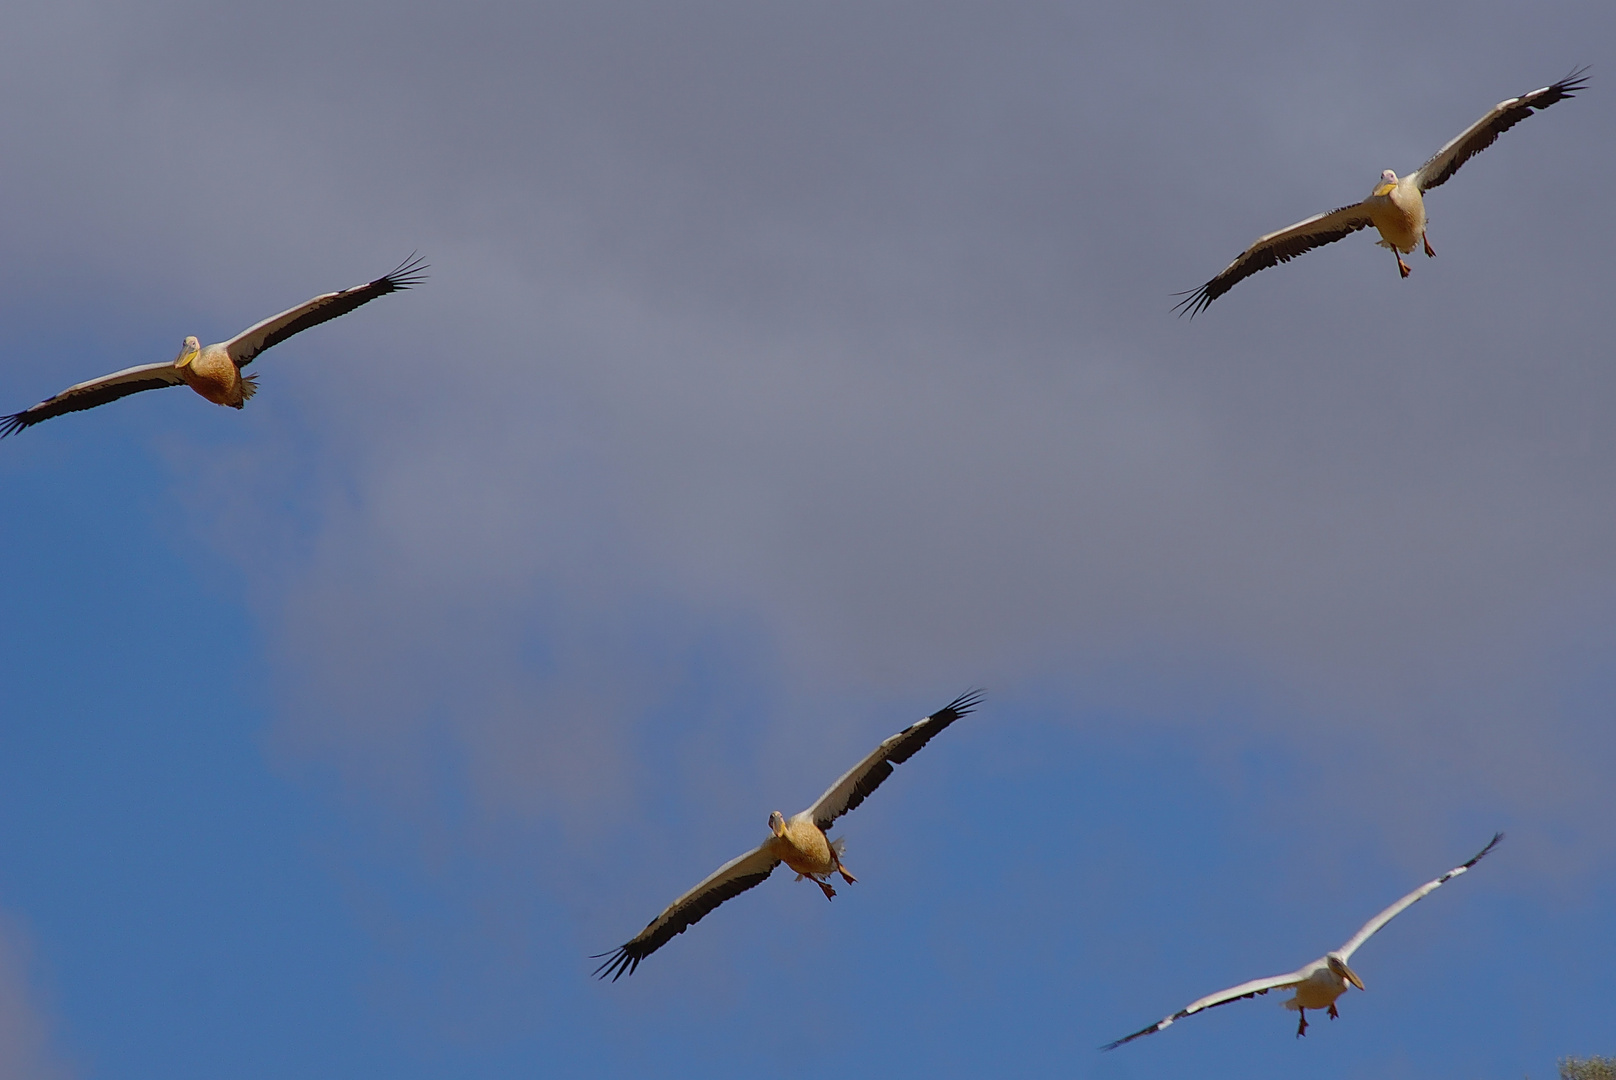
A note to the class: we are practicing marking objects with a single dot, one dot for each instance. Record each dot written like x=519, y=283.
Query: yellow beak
x=1352, y=976
x=1383, y=189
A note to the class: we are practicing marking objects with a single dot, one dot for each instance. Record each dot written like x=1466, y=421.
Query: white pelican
x=1318, y=984
x=214, y=371
x=1395, y=208
x=798, y=841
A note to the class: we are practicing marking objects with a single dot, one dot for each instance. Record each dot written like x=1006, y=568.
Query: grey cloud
x=26, y=1037
x=845, y=330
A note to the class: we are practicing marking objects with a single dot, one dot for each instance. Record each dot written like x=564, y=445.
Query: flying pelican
x=798, y=841
x=1318, y=984
x=214, y=371
x=1395, y=208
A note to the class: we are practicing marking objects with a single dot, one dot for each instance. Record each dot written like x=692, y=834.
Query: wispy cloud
x=27, y=1026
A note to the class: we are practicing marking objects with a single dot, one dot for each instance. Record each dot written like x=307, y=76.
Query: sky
x=785, y=370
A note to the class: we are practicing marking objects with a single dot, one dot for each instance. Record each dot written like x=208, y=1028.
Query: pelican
x=1396, y=206
x=798, y=841
x=214, y=371
x=1318, y=984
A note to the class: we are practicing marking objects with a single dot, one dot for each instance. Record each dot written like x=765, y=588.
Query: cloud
x=26, y=1050
x=842, y=351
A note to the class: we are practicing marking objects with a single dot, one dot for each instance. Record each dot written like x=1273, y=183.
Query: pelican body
x=1398, y=211
x=1318, y=984
x=1323, y=981
x=800, y=841
x=213, y=374
x=804, y=847
x=1396, y=206
x=214, y=371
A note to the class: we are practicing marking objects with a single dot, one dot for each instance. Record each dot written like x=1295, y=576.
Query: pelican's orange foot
x=824, y=887
x=1333, y=1014
x=1301, y=1028
x=842, y=870
x=1429, y=254
x=1402, y=267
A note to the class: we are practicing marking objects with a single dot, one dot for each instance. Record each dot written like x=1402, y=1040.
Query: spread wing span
x=1369, y=928
x=731, y=879
x=277, y=328
x=1499, y=119
x=87, y=395
x=1222, y=997
x=1275, y=248
x=857, y=783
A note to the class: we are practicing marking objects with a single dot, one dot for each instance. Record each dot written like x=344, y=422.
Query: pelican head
x=1388, y=176
x=777, y=823
x=1338, y=965
x=189, y=348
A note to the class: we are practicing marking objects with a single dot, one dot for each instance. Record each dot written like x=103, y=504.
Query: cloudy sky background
x=785, y=370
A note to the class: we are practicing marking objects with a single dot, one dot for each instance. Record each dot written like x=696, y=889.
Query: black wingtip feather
x=1577, y=80
x=14, y=423
x=1483, y=852
x=918, y=735
x=1195, y=301
x=620, y=962
x=963, y=705
x=407, y=274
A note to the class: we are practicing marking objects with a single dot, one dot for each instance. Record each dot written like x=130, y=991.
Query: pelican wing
x=1499, y=119
x=731, y=879
x=276, y=329
x=866, y=776
x=1369, y=928
x=1222, y=997
x=1277, y=247
x=87, y=395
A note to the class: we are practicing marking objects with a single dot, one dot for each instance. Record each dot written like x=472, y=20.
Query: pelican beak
x=777, y=823
x=190, y=349
x=1352, y=976
x=1383, y=189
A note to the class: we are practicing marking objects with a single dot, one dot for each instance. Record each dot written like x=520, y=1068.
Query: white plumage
x=1318, y=984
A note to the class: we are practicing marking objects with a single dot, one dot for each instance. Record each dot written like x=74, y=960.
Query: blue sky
x=783, y=372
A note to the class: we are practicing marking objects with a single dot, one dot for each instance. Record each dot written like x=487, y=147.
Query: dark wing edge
x=1161, y=1025
x=406, y=275
x=1486, y=131
x=1263, y=254
x=1477, y=857
x=900, y=748
x=63, y=403
x=626, y=957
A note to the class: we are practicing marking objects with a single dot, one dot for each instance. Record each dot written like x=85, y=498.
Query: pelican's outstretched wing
x=1499, y=119
x=731, y=879
x=1277, y=247
x=87, y=395
x=255, y=339
x=846, y=793
x=1222, y=997
x=1369, y=928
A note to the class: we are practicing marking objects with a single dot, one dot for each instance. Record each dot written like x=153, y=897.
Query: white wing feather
x=1222, y=997
x=1369, y=928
